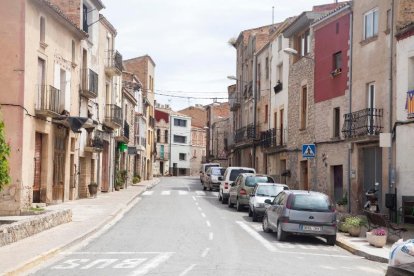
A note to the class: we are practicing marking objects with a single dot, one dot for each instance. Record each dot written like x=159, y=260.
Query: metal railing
x=362, y=123
x=96, y=139
x=245, y=133
x=89, y=83
x=114, y=60
x=273, y=138
x=113, y=113
x=48, y=99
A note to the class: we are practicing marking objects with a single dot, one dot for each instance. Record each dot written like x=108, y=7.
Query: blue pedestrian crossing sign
x=308, y=150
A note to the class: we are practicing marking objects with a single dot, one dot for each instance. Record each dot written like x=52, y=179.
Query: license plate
x=311, y=228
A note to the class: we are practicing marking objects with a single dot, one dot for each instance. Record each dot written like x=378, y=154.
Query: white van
x=229, y=176
x=204, y=168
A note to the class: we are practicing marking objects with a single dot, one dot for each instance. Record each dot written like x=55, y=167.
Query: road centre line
x=208, y=223
x=210, y=236
x=111, y=253
x=165, y=192
x=194, y=198
x=187, y=270
x=199, y=208
x=205, y=252
x=203, y=215
x=257, y=237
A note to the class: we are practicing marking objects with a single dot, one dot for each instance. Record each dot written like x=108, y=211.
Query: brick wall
x=405, y=12
x=71, y=8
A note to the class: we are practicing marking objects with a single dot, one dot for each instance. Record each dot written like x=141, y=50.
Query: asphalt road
x=178, y=229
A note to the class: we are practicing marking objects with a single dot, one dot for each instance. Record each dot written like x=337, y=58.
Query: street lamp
x=293, y=52
x=232, y=78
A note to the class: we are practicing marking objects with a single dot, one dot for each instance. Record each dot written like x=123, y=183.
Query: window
x=180, y=139
x=166, y=136
x=336, y=122
x=85, y=19
x=42, y=29
x=275, y=120
x=303, y=107
x=259, y=77
x=158, y=135
x=371, y=24
x=304, y=43
x=389, y=19
x=337, y=60
x=149, y=137
x=280, y=72
x=337, y=28
x=266, y=113
x=279, y=43
x=182, y=156
x=180, y=122
x=371, y=95
x=267, y=68
x=73, y=51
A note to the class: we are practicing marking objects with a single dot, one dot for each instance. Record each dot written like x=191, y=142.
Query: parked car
x=260, y=193
x=228, y=178
x=204, y=168
x=212, y=178
x=242, y=187
x=301, y=212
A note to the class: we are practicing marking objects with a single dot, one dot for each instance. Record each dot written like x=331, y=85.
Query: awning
x=76, y=123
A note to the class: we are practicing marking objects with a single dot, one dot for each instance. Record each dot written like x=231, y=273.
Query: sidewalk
x=88, y=217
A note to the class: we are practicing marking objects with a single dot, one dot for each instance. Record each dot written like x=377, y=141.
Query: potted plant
x=377, y=237
x=342, y=226
x=119, y=182
x=93, y=189
x=342, y=204
x=354, y=225
x=136, y=179
x=124, y=176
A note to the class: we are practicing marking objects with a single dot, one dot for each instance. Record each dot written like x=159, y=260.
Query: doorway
x=105, y=167
x=161, y=168
x=37, y=168
x=282, y=170
x=338, y=185
x=372, y=162
x=304, y=178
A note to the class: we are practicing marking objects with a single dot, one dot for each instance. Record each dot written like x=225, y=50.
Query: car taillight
x=226, y=185
x=289, y=202
x=284, y=219
x=243, y=192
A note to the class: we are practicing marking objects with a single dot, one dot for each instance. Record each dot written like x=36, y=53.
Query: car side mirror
x=251, y=195
x=233, y=184
x=268, y=201
x=208, y=174
x=220, y=178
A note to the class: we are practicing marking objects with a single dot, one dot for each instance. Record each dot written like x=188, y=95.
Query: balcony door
x=37, y=168
x=41, y=79
x=371, y=107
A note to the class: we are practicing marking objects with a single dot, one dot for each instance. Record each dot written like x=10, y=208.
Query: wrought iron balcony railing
x=273, y=138
x=95, y=142
x=245, y=133
x=48, y=99
x=89, y=83
x=113, y=63
x=365, y=122
x=113, y=116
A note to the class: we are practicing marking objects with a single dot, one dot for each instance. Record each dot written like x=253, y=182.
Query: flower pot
x=377, y=241
x=354, y=231
x=93, y=189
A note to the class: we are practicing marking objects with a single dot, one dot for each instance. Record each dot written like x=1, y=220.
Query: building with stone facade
x=215, y=112
x=144, y=68
x=219, y=142
x=162, y=127
x=198, y=116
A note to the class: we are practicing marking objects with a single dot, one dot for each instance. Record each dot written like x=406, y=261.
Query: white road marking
x=199, y=208
x=203, y=215
x=182, y=192
x=187, y=270
x=148, y=193
x=205, y=252
x=109, y=253
x=257, y=237
x=165, y=192
x=215, y=194
x=208, y=223
x=196, y=203
x=327, y=267
x=210, y=236
x=153, y=263
x=194, y=198
x=200, y=193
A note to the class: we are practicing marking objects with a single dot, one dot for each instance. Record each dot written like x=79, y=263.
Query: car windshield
x=217, y=171
x=311, y=202
x=209, y=166
x=251, y=181
x=235, y=173
x=269, y=190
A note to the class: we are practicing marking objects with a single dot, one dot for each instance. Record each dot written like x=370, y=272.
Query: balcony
x=278, y=87
x=362, y=123
x=113, y=63
x=48, y=100
x=95, y=141
x=123, y=134
x=89, y=84
x=273, y=138
x=113, y=116
x=245, y=134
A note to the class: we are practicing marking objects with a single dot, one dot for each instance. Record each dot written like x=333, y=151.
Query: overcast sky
x=187, y=39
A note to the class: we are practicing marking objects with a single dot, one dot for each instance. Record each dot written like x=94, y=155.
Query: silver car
x=212, y=181
x=261, y=192
x=301, y=212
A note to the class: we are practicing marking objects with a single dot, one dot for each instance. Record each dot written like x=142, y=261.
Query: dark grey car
x=301, y=212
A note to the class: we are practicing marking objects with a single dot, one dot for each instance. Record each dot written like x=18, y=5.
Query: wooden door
x=37, y=168
x=59, y=169
x=105, y=169
x=338, y=182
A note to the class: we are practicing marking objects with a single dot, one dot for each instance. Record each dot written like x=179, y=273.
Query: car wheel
x=239, y=207
x=331, y=240
x=265, y=225
x=250, y=212
x=220, y=198
x=281, y=235
x=254, y=216
x=204, y=188
x=229, y=202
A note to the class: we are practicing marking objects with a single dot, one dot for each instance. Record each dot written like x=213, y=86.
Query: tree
x=4, y=162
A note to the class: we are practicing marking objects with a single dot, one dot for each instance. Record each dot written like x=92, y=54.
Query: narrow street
x=178, y=229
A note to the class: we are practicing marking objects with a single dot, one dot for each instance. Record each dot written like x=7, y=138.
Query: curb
x=53, y=252
x=360, y=253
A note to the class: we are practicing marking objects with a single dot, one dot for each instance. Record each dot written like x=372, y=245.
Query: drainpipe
x=255, y=107
x=390, y=105
x=351, y=38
